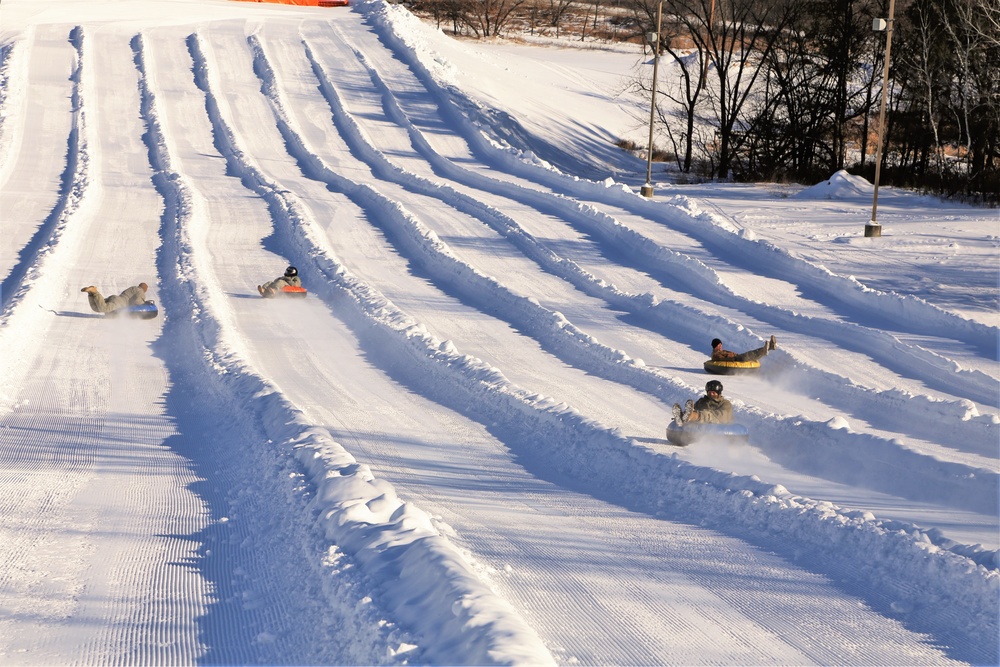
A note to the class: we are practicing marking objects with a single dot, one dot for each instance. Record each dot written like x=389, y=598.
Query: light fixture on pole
x=654, y=41
x=873, y=229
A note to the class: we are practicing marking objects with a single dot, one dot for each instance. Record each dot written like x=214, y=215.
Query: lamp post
x=654, y=40
x=873, y=229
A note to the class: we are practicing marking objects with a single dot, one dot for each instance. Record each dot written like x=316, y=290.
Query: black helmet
x=291, y=271
x=714, y=385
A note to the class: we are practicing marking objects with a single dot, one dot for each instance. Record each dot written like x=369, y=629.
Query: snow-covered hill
x=453, y=450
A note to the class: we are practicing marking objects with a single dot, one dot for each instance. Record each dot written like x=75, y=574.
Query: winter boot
x=772, y=344
x=260, y=290
x=89, y=290
x=678, y=415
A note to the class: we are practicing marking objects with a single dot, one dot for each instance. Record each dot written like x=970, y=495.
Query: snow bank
x=558, y=335
x=38, y=271
x=422, y=578
x=411, y=41
x=557, y=437
x=841, y=185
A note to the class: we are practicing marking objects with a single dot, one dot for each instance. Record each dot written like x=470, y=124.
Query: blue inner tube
x=685, y=435
x=144, y=311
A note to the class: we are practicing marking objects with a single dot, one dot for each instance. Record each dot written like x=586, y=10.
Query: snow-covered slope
x=452, y=451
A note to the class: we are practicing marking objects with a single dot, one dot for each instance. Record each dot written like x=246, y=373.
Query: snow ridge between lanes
x=13, y=68
x=290, y=549
x=953, y=591
x=461, y=620
x=930, y=479
x=911, y=312
x=27, y=281
x=925, y=411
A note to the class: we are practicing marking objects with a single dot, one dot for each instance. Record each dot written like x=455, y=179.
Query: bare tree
x=974, y=35
x=876, y=59
x=737, y=37
x=555, y=12
x=587, y=18
x=688, y=89
x=442, y=11
x=772, y=88
x=838, y=38
x=490, y=18
x=644, y=12
x=924, y=62
x=791, y=120
x=948, y=76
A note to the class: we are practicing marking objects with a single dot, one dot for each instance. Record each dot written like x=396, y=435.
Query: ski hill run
x=453, y=450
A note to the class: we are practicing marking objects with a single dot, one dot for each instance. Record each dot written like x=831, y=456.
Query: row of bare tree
x=494, y=18
x=789, y=89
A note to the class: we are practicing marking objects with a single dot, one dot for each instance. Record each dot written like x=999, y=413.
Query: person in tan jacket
x=133, y=296
x=290, y=279
x=719, y=354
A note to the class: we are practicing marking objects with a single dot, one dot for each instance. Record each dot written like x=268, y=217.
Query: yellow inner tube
x=729, y=367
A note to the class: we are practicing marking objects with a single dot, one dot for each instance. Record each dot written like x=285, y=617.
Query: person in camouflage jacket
x=133, y=296
x=711, y=408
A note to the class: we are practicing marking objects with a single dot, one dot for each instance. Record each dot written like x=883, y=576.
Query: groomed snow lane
x=444, y=453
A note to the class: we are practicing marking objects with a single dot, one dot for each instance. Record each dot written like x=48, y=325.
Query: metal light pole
x=873, y=228
x=647, y=189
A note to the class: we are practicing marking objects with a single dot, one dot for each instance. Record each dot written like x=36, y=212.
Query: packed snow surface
x=453, y=450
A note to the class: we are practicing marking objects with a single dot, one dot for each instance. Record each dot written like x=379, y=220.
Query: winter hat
x=716, y=342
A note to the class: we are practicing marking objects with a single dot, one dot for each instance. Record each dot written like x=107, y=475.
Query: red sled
x=292, y=290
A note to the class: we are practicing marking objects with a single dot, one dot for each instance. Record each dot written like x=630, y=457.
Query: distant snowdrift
x=841, y=185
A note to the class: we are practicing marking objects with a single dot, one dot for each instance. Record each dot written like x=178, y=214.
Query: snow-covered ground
x=453, y=450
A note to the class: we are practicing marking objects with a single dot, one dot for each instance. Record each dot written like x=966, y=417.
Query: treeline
x=601, y=19
x=790, y=89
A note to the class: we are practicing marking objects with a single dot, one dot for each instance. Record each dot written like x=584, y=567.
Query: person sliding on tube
x=291, y=278
x=718, y=354
x=133, y=296
x=711, y=408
